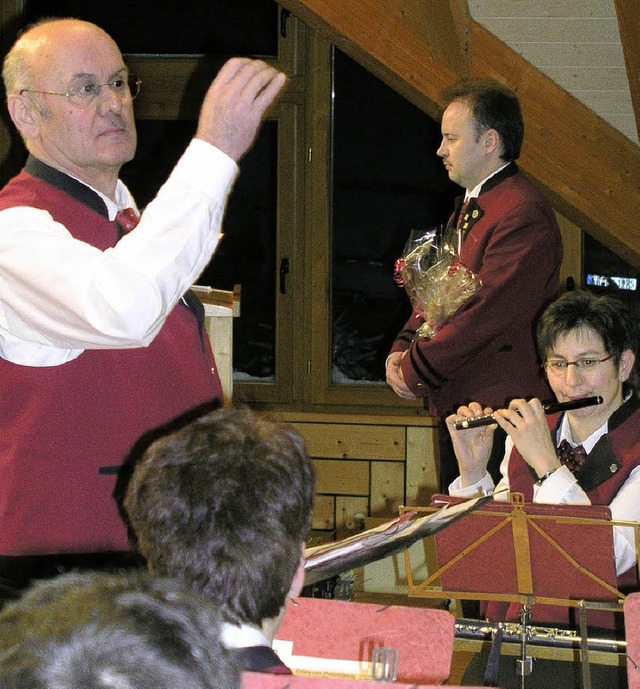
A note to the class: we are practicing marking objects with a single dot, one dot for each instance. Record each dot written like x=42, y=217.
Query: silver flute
x=551, y=408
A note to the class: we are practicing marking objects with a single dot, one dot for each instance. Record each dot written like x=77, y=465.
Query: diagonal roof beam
x=589, y=170
x=628, y=12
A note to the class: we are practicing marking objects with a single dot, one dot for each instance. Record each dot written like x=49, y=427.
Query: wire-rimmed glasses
x=87, y=92
x=559, y=367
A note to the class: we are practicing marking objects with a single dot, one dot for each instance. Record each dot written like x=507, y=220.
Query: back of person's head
x=109, y=631
x=603, y=313
x=225, y=503
x=493, y=106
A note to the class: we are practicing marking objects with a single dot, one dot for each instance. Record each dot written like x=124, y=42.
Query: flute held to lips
x=551, y=408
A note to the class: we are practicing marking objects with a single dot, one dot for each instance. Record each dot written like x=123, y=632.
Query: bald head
x=49, y=66
x=40, y=44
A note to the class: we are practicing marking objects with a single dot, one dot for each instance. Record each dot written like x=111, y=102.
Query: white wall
x=575, y=42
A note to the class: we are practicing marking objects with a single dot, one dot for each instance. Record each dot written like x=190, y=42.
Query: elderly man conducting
x=100, y=339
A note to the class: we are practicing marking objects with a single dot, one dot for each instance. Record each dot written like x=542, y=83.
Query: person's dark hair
x=110, y=631
x=493, y=106
x=225, y=503
x=605, y=314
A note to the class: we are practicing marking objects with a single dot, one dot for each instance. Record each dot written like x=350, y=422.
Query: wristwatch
x=543, y=478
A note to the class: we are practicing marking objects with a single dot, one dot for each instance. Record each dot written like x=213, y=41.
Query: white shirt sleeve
x=561, y=488
x=60, y=296
x=482, y=487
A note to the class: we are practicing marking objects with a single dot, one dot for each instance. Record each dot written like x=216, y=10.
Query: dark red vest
x=603, y=474
x=65, y=430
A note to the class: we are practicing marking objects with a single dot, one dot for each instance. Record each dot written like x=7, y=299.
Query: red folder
x=257, y=680
x=333, y=638
x=632, y=637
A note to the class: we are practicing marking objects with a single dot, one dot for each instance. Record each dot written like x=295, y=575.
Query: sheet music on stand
x=392, y=537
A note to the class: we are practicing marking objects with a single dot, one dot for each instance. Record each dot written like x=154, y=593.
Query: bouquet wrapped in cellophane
x=434, y=278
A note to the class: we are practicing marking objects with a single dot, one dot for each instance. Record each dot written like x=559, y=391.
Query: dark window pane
x=214, y=27
x=160, y=144
x=387, y=180
x=246, y=254
x=604, y=269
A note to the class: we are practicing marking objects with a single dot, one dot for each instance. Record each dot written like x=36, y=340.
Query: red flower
x=398, y=267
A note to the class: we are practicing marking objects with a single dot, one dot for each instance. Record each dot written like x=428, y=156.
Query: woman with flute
x=586, y=455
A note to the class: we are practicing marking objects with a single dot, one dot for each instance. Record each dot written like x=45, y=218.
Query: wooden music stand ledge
x=531, y=554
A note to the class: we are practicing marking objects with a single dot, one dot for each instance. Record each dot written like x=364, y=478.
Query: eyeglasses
x=82, y=96
x=559, y=367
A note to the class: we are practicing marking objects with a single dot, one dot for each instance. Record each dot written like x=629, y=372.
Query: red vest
x=603, y=474
x=65, y=430
x=607, y=466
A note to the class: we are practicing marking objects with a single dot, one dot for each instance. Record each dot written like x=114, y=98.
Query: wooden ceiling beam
x=444, y=25
x=589, y=170
x=417, y=47
x=628, y=13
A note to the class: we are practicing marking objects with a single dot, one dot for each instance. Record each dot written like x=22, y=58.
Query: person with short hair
x=106, y=631
x=511, y=241
x=224, y=503
x=585, y=456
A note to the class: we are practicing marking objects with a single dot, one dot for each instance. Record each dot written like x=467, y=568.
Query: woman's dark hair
x=603, y=313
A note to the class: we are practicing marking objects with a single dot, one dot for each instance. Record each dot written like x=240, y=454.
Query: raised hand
x=235, y=104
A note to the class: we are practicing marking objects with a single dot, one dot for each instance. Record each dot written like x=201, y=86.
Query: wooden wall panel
x=342, y=477
x=350, y=491
x=350, y=514
x=572, y=247
x=323, y=517
x=387, y=488
x=422, y=478
x=354, y=441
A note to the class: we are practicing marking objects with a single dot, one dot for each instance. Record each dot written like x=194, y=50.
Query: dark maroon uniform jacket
x=486, y=351
x=64, y=430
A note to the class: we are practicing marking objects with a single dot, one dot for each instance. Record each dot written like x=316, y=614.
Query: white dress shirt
x=60, y=296
x=242, y=636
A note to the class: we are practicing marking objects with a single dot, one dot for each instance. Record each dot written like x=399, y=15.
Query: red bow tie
x=572, y=457
x=127, y=218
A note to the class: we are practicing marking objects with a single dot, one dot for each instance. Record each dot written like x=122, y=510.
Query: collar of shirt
x=123, y=198
x=242, y=636
x=564, y=433
x=475, y=192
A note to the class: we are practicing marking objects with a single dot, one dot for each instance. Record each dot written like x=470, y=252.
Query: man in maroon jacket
x=100, y=338
x=485, y=351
